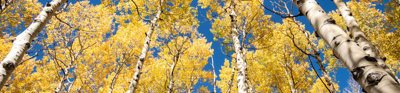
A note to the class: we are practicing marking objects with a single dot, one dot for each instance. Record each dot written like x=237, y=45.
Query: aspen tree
x=23, y=40
x=139, y=65
x=365, y=68
x=241, y=63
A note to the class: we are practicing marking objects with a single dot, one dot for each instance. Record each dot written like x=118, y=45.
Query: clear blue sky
x=342, y=74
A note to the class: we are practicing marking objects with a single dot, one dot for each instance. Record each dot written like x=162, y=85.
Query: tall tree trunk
x=64, y=78
x=359, y=36
x=190, y=88
x=288, y=71
x=23, y=40
x=241, y=63
x=114, y=80
x=139, y=65
x=171, y=74
x=365, y=69
x=214, y=75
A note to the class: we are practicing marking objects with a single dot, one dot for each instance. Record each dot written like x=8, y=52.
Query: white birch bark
x=64, y=78
x=241, y=63
x=365, y=69
x=23, y=40
x=214, y=75
x=355, y=30
x=171, y=74
x=139, y=65
x=359, y=36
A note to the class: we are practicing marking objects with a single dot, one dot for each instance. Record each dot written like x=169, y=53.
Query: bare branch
x=137, y=10
x=318, y=74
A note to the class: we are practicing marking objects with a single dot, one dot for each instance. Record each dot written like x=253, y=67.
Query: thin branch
x=137, y=10
x=282, y=15
x=294, y=43
x=318, y=74
x=69, y=25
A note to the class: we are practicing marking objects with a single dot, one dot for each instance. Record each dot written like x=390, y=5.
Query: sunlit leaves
x=19, y=14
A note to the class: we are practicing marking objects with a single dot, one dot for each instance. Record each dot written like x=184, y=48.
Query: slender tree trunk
x=241, y=63
x=61, y=85
x=171, y=74
x=288, y=71
x=359, y=36
x=214, y=75
x=114, y=80
x=23, y=40
x=190, y=88
x=139, y=65
x=365, y=69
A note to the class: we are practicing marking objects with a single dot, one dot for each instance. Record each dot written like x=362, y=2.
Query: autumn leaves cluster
x=90, y=47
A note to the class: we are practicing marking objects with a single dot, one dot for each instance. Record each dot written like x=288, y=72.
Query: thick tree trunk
x=139, y=65
x=365, y=69
x=23, y=40
x=355, y=30
x=359, y=36
x=241, y=63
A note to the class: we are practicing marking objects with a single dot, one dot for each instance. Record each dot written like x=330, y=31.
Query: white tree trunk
x=142, y=57
x=359, y=36
x=64, y=78
x=171, y=74
x=241, y=63
x=214, y=75
x=23, y=40
x=365, y=69
x=355, y=30
x=139, y=65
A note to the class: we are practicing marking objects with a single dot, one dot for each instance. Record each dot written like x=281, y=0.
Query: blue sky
x=342, y=74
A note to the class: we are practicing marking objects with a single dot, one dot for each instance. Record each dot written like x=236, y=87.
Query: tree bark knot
x=48, y=5
x=330, y=21
x=9, y=66
x=371, y=59
x=374, y=78
x=141, y=59
x=28, y=45
x=357, y=72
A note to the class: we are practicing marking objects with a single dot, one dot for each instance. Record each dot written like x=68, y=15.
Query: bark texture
x=23, y=40
x=241, y=63
x=230, y=83
x=365, y=68
x=139, y=65
x=359, y=37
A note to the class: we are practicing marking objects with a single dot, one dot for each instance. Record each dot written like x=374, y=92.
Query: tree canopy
x=195, y=45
